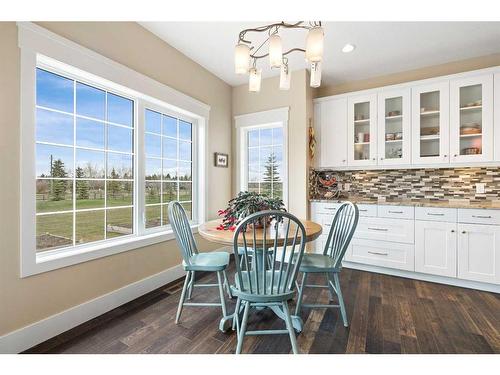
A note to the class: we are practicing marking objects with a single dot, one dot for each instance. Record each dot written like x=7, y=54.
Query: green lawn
x=89, y=225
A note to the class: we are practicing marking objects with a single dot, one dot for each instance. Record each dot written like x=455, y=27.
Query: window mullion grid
x=105, y=124
x=162, y=117
x=177, y=146
x=74, y=163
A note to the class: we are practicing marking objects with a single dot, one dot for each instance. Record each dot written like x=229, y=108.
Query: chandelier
x=246, y=54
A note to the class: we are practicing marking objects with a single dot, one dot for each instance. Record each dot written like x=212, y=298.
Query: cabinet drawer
x=478, y=216
x=436, y=214
x=381, y=253
x=367, y=210
x=394, y=230
x=396, y=212
x=325, y=207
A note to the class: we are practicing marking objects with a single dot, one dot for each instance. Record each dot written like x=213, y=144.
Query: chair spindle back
x=272, y=263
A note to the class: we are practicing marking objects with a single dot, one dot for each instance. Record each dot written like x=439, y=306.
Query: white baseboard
x=424, y=277
x=33, y=334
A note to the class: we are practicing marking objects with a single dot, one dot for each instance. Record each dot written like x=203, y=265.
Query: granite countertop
x=458, y=203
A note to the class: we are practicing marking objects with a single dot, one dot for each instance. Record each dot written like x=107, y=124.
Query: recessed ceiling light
x=348, y=48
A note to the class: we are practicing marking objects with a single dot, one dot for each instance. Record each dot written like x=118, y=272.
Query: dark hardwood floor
x=387, y=315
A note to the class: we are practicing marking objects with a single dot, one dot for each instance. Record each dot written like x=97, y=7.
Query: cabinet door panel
x=362, y=136
x=479, y=253
x=430, y=124
x=331, y=120
x=436, y=248
x=394, y=132
x=471, y=119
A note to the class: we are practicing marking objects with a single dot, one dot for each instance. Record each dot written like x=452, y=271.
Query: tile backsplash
x=407, y=184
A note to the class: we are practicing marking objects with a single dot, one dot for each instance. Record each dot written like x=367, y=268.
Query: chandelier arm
x=260, y=29
x=284, y=54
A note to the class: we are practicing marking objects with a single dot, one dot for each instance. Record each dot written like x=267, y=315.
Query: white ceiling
x=381, y=47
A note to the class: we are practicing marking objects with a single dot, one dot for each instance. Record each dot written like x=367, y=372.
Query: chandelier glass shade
x=241, y=59
x=246, y=54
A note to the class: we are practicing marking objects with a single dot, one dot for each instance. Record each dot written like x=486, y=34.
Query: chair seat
x=244, y=292
x=318, y=263
x=216, y=261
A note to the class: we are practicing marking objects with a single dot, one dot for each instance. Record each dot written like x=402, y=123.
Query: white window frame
x=260, y=120
x=42, y=47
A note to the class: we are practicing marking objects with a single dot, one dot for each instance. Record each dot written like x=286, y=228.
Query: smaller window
x=264, y=169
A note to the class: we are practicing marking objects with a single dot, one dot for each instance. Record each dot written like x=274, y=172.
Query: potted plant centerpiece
x=245, y=204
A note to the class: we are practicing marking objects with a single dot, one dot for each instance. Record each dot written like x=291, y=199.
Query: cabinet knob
x=445, y=156
x=343, y=161
x=463, y=232
x=381, y=158
x=453, y=231
x=374, y=159
x=455, y=155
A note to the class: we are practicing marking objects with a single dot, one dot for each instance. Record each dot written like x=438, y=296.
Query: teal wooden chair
x=330, y=262
x=266, y=282
x=193, y=261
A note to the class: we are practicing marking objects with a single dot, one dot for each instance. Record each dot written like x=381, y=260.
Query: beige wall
x=271, y=97
x=411, y=75
x=25, y=301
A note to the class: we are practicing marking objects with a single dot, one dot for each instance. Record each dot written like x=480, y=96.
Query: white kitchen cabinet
x=430, y=123
x=471, y=119
x=394, y=127
x=479, y=252
x=436, y=248
x=496, y=131
x=331, y=127
x=362, y=130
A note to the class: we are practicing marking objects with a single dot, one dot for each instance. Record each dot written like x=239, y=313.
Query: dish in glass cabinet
x=471, y=151
x=390, y=136
x=393, y=113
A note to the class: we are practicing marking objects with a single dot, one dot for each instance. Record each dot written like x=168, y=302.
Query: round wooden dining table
x=209, y=231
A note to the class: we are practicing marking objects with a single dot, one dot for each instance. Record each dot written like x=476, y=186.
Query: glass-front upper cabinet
x=362, y=137
x=430, y=125
x=471, y=119
x=394, y=127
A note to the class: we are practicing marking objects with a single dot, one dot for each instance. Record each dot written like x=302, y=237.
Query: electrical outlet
x=480, y=188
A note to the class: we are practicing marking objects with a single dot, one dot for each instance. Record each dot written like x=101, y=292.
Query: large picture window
x=84, y=163
x=104, y=149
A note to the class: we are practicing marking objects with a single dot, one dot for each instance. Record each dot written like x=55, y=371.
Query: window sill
x=52, y=260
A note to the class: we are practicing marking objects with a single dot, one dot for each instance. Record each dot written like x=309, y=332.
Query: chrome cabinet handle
x=379, y=229
x=377, y=253
x=481, y=217
x=362, y=210
x=431, y=214
x=330, y=208
x=396, y=212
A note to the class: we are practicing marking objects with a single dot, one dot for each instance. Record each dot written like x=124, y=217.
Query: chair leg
x=226, y=283
x=341, y=299
x=191, y=285
x=301, y=294
x=243, y=328
x=289, y=326
x=183, y=295
x=221, y=293
x=236, y=315
x=330, y=288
